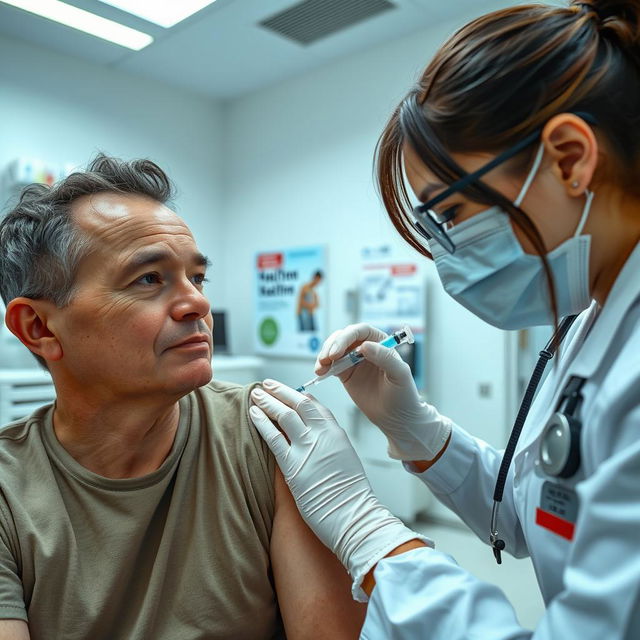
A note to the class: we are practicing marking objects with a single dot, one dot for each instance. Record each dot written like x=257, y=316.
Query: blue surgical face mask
x=491, y=276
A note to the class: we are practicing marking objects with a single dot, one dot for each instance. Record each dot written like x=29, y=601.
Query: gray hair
x=41, y=247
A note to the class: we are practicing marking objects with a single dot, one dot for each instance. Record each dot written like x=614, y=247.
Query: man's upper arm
x=14, y=630
x=314, y=590
x=12, y=608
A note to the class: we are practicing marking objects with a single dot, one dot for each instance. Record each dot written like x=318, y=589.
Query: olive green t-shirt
x=179, y=554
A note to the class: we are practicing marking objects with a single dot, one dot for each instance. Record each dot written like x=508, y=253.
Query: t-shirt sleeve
x=11, y=592
x=265, y=457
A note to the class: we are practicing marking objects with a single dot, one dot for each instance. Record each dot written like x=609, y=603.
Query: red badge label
x=558, y=510
x=559, y=526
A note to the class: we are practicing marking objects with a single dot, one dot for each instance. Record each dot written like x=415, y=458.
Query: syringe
x=351, y=359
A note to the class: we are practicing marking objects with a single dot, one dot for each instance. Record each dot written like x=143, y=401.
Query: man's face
x=138, y=323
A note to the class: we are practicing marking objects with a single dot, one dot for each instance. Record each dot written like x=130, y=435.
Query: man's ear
x=27, y=319
x=573, y=148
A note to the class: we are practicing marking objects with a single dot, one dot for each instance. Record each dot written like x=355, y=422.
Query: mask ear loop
x=585, y=212
x=530, y=177
x=532, y=174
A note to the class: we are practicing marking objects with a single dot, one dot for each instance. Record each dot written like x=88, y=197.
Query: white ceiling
x=221, y=51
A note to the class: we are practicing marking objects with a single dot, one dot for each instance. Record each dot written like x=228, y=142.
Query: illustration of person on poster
x=308, y=302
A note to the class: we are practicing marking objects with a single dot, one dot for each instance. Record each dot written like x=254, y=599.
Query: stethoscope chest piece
x=559, y=454
x=560, y=446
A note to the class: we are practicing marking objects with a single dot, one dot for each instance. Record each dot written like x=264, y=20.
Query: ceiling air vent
x=311, y=20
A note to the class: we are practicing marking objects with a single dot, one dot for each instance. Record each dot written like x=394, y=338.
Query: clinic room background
x=270, y=144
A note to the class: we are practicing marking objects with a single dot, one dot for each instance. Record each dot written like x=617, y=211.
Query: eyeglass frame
x=430, y=225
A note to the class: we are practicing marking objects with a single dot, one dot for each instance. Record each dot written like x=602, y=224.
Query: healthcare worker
x=522, y=140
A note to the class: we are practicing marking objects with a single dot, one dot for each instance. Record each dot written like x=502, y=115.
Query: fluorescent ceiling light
x=166, y=13
x=84, y=21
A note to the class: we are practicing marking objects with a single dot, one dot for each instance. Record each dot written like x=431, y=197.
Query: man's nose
x=190, y=303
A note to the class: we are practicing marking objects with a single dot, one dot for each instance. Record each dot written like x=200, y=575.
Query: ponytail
x=617, y=21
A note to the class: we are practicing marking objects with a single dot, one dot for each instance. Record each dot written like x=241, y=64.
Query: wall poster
x=290, y=301
x=392, y=295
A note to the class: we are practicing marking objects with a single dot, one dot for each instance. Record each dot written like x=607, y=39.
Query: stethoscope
x=559, y=453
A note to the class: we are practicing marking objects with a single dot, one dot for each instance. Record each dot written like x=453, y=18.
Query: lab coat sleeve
x=424, y=594
x=464, y=479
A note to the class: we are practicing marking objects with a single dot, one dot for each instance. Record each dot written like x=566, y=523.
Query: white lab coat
x=590, y=583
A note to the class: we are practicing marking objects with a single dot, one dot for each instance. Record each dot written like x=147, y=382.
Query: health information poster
x=290, y=301
x=392, y=295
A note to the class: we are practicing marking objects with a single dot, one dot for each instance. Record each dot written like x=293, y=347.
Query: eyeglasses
x=432, y=225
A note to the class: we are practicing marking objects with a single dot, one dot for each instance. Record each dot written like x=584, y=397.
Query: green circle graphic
x=268, y=331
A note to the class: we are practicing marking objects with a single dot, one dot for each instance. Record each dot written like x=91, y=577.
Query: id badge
x=558, y=509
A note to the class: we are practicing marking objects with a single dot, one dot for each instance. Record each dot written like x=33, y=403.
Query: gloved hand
x=384, y=390
x=327, y=480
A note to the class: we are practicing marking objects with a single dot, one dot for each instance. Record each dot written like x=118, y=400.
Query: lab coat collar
x=625, y=291
x=586, y=346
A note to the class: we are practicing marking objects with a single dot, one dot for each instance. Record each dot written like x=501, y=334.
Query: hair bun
x=618, y=20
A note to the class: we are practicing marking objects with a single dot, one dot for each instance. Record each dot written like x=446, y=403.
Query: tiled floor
x=515, y=577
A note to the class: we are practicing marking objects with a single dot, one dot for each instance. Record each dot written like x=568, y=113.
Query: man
x=142, y=504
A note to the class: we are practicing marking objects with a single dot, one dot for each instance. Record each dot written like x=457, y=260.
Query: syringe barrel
x=344, y=363
x=353, y=357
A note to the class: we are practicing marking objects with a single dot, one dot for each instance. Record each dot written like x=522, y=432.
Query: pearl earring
x=575, y=184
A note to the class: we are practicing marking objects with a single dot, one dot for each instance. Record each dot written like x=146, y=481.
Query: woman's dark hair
x=503, y=76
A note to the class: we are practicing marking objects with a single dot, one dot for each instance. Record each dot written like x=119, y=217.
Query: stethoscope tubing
x=545, y=355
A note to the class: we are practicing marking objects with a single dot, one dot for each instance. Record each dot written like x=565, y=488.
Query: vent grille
x=312, y=20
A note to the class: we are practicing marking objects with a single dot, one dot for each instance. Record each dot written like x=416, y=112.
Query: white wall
x=60, y=109
x=299, y=171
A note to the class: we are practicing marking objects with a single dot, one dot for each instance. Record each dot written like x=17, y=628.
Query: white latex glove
x=327, y=480
x=384, y=390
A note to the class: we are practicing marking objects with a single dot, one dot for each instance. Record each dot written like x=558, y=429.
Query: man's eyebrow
x=200, y=260
x=425, y=194
x=148, y=257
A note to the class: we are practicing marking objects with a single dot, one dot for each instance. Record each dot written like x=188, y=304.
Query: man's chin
x=192, y=377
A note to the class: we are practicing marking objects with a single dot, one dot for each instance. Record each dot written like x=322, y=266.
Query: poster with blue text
x=291, y=301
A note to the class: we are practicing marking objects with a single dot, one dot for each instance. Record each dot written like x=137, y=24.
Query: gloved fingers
x=326, y=345
x=388, y=360
x=298, y=402
x=270, y=433
x=319, y=368
x=284, y=416
x=343, y=341
x=323, y=411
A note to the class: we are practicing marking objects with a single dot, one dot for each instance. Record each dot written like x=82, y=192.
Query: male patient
x=142, y=505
